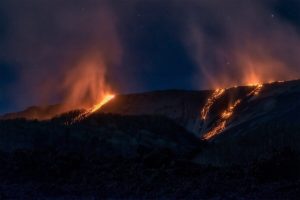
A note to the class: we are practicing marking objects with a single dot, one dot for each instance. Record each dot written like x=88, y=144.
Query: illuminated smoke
x=85, y=85
x=241, y=43
x=66, y=50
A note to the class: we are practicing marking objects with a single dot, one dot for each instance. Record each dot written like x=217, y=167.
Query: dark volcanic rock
x=183, y=107
x=105, y=133
x=142, y=146
x=260, y=124
x=36, y=112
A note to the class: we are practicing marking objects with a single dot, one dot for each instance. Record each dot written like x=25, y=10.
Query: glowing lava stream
x=211, y=100
x=104, y=101
x=95, y=108
x=256, y=90
x=222, y=122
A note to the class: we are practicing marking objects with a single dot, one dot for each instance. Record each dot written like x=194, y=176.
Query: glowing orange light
x=217, y=94
x=256, y=90
x=104, y=101
x=221, y=125
x=215, y=131
x=96, y=107
x=227, y=114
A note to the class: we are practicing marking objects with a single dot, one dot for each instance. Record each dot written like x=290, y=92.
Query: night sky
x=146, y=45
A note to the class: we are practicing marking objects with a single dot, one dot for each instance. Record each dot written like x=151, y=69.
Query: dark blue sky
x=159, y=49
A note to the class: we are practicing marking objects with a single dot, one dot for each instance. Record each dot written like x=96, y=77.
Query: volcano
x=246, y=126
x=268, y=115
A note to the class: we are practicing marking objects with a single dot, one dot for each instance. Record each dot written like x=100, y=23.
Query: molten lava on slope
x=95, y=108
x=225, y=116
x=214, y=97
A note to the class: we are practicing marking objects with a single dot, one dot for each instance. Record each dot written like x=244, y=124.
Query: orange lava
x=215, y=131
x=227, y=114
x=217, y=94
x=95, y=108
x=221, y=125
x=104, y=101
x=256, y=91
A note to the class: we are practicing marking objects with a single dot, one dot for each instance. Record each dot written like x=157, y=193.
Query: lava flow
x=227, y=114
x=256, y=90
x=104, y=101
x=211, y=100
x=95, y=108
x=221, y=125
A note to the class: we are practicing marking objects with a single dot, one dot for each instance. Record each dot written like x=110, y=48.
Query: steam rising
x=69, y=51
x=85, y=85
x=241, y=43
x=66, y=50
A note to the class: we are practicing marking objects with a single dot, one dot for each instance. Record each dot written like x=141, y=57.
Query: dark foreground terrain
x=114, y=156
x=69, y=175
x=50, y=174
x=149, y=146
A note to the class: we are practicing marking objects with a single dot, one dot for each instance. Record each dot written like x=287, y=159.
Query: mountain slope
x=265, y=124
x=138, y=146
x=260, y=123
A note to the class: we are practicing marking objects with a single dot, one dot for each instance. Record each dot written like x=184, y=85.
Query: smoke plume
x=64, y=50
x=74, y=51
x=241, y=42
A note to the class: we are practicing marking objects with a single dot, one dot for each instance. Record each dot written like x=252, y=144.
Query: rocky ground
x=112, y=156
x=71, y=176
x=149, y=146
